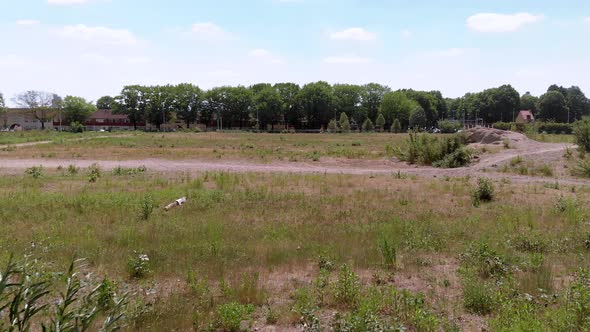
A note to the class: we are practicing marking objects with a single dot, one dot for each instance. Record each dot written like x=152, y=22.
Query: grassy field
x=8, y=138
x=213, y=145
x=346, y=252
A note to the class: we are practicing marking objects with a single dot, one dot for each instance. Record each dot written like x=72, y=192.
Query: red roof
x=107, y=114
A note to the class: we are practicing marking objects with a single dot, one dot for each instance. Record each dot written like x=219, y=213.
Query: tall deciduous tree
x=159, y=104
x=267, y=103
x=131, y=102
x=552, y=107
x=105, y=103
x=418, y=119
x=77, y=109
x=3, y=110
x=529, y=102
x=40, y=104
x=187, y=102
x=291, y=109
x=347, y=99
x=371, y=98
x=428, y=102
x=578, y=104
x=396, y=105
x=317, y=102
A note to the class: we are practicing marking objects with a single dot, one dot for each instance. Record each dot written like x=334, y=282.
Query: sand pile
x=482, y=135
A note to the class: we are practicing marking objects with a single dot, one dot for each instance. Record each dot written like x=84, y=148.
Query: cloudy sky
x=94, y=47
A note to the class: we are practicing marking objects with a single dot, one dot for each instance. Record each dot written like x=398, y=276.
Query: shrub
x=73, y=169
x=396, y=127
x=93, y=173
x=554, y=128
x=380, y=122
x=503, y=125
x=449, y=126
x=583, y=168
x=344, y=123
x=347, y=291
x=582, y=134
x=76, y=127
x=426, y=149
x=231, y=315
x=36, y=172
x=388, y=252
x=478, y=297
x=368, y=125
x=484, y=191
x=147, y=207
x=138, y=265
x=332, y=126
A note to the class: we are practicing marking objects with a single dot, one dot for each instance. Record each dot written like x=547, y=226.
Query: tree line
x=311, y=106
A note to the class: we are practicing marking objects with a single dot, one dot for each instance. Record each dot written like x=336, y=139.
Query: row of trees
x=311, y=106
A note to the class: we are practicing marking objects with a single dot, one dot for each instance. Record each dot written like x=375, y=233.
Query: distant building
x=21, y=119
x=525, y=116
x=106, y=120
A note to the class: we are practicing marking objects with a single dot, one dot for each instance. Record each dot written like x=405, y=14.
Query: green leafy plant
x=147, y=206
x=231, y=315
x=35, y=172
x=396, y=127
x=344, y=123
x=388, y=253
x=368, y=125
x=484, y=192
x=94, y=173
x=347, y=292
x=138, y=265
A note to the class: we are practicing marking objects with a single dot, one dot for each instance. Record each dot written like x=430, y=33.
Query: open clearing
x=343, y=243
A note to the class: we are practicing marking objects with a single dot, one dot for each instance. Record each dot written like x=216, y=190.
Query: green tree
x=267, y=103
x=371, y=98
x=257, y=88
x=577, y=103
x=3, y=110
x=428, y=102
x=332, y=126
x=396, y=105
x=344, y=123
x=418, y=119
x=238, y=104
x=290, y=107
x=317, y=102
x=368, y=125
x=77, y=109
x=347, y=99
x=582, y=134
x=105, y=103
x=159, y=104
x=529, y=102
x=187, y=102
x=552, y=107
x=396, y=127
x=131, y=102
x=380, y=122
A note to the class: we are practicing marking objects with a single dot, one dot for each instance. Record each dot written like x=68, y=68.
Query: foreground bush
x=29, y=301
x=426, y=149
x=582, y=134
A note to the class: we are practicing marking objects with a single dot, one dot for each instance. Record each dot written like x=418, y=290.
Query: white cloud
x=209, y=31
x=346, y=60
x=98, y=35
x=491, y=22
x=265, y=55
x=587, y=20
x=356, y=34
x=28, y=22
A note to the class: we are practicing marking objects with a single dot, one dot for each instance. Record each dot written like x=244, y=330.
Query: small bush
x=332, y=126
x=502, y=125
x=380, y=122
x=478, y=297
x=396, y=127
x=231, y=315
x=138, y=265
x=484, y=192
x=582, y=134
x=344, y=123
x=427, y=149
x=554, y=128
x=368, y=125
x=388, y=252
x=76, y=127
x=93, y=173
x=73, y=169
x=35, y=172
x=347, y=292
x=449, y=126
x=582, y=168
x=147, y=207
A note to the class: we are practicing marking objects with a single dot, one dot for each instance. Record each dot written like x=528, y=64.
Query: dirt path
x=21, y=145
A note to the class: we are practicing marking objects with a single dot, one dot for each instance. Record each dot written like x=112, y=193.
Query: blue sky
x=94, y=47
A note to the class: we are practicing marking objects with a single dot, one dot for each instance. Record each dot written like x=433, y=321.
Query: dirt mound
x=482, y=135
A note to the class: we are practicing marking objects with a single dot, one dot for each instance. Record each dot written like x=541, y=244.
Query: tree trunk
x=188, y=124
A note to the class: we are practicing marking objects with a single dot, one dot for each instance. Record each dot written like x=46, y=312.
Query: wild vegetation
x=383, y=252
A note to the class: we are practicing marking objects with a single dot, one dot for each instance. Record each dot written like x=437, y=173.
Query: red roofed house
x=525, y=116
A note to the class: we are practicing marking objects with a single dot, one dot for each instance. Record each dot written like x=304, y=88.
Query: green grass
x=257, y=238
x=8, y=138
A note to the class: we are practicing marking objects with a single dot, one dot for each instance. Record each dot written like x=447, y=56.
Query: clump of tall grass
x=94, y=173
x=426, y=149
x=35, y=172
x=484, y=192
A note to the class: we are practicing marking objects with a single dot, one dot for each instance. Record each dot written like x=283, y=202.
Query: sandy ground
x=550, y=153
